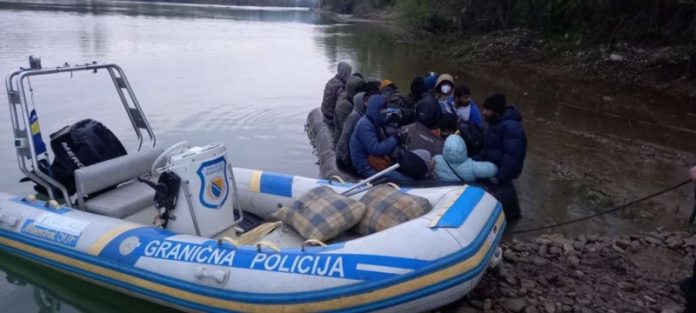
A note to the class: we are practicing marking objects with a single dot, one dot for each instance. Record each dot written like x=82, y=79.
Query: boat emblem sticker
x=214, y=190
x=128, y=245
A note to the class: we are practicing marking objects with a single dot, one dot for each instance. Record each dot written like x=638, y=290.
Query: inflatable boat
x=321, y=139
x=174, y=226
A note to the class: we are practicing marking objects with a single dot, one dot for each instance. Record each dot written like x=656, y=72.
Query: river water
x=247, y=77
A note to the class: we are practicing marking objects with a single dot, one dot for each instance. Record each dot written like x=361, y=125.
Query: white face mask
x=445, y=89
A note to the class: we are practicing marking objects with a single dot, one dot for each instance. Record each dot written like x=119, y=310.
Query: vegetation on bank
x=591, y=21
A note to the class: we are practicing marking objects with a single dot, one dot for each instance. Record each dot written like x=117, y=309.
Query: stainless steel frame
x=20, y=111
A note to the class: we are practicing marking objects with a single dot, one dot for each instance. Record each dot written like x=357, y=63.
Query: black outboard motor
x=82, y=144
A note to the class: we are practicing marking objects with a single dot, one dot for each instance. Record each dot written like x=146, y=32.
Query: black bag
x=410, y=164
x=473, y=137
x=82, y=144
x=420, y=137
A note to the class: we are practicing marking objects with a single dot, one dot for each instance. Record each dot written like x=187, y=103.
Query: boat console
x=192, y=188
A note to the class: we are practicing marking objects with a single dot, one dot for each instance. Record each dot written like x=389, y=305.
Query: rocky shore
x=590, y=273
x=667, y=68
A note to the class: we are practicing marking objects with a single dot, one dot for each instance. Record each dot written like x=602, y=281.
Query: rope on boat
x=614, y=209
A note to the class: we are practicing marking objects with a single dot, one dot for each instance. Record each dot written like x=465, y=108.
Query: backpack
x=410, y=164
x=402, y=102
x=473, y=137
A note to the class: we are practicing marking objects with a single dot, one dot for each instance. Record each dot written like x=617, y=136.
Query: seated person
x=428, y=111
x=344, y=105
x=369, y=141
x=444, y=89
x=397, y=100
x=468, y=119
x=454, y=164
x=466, y=109
x=343, y=160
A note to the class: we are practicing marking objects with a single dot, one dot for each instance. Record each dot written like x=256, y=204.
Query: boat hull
x=396, y=270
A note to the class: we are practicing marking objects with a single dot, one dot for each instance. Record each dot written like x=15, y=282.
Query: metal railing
x=27, y=158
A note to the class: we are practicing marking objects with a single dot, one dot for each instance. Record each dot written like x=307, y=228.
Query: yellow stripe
x=100, y=243
x=255, y=181
x=332, y=304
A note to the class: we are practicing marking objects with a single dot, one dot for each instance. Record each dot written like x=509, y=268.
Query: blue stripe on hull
x=439, y=287
x=433, y=289
x=276, y=184
x=460, y=210
x=287, y=298
x=299, y=297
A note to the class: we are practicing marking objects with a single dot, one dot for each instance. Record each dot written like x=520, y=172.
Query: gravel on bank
x=590, y=273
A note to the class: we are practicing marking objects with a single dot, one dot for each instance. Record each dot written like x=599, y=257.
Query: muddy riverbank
x=654, y=66
x=602, y=130
x=587, y=273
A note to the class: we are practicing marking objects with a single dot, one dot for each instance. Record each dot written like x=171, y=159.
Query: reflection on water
x=27, y=287
x=169, y=10
x=248, y=78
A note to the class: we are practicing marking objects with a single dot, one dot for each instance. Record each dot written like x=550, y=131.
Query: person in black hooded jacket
x=331, y=91
x=428, y=110
x=505, y=145
x=344, y=104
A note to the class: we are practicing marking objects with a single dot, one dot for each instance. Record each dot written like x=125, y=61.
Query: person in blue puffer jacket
x=369, y=139
x=505, y=145
x=454, y=165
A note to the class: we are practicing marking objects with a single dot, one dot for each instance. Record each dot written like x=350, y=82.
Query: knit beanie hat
x=496, y=103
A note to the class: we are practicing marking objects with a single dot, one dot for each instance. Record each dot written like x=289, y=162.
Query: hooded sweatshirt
x=332, y=89
x=344, y=105
x=417, y=89
x=343, y=146
x=443, y=99
x=428, y=111
x=367, y=139
x=460, y=165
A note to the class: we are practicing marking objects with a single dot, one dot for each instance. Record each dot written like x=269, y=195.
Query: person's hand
x=693, y=173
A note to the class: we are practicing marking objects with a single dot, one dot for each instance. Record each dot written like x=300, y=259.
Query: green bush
x=594, y=20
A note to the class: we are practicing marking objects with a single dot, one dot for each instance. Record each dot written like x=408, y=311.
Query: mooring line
x=614, y=209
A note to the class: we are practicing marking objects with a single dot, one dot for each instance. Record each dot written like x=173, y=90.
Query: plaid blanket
x=322, y=214
x=387, y=207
